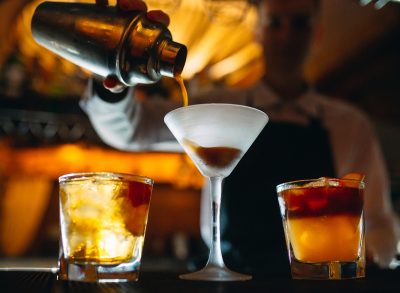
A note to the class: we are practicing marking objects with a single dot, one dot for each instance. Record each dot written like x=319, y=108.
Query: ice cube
x=320, y=182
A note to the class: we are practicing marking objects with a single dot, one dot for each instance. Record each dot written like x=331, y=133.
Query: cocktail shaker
x=107, y=41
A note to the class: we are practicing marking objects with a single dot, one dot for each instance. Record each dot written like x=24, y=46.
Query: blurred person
x=309, y=135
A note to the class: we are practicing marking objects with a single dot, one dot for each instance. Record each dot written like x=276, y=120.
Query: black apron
x=252, y=231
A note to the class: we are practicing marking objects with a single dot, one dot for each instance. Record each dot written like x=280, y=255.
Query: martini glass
x=216, y=136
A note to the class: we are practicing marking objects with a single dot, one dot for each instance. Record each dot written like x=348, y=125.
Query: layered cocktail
x=324, y=227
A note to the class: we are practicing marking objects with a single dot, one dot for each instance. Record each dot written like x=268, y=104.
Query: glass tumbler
x=103, y=219
x=324, y=227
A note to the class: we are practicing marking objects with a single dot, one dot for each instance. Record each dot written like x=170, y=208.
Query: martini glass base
x=215, y=274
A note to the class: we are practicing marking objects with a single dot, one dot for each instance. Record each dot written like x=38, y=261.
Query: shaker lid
x=172, y=58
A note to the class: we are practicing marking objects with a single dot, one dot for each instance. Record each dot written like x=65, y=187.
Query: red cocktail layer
x=324, y=223
x=319, y=201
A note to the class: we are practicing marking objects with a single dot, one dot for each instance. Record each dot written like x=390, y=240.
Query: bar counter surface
x=163, y=281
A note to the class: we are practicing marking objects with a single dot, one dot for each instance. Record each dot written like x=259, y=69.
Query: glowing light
x=235, y=61
x=226, y=11
x=51, y=162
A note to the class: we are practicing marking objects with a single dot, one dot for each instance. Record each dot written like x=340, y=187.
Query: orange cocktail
x=323, y=220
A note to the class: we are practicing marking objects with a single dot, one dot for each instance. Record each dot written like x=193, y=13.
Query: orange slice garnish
x=352, y=176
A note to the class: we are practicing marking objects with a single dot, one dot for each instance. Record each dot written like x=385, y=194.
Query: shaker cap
x=172, y=58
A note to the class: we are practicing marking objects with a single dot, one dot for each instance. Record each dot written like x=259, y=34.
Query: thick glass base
x=335, y=270
x=215, y=274
x=123, y=272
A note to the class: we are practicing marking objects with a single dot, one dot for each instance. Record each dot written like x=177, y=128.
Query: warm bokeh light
x=24, y=202
x=226, y=11
x=210, y=41
x=53, y=161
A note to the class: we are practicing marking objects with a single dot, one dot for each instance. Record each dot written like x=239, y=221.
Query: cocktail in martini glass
x=216, y=136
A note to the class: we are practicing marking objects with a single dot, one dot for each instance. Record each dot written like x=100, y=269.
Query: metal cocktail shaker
x=107, y=41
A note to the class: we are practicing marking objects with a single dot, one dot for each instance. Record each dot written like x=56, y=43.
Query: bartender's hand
x=111, y=82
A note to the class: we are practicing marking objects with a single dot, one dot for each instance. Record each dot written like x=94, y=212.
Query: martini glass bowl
x=216, y=136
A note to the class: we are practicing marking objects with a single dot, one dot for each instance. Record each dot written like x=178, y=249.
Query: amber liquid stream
x=185, y=97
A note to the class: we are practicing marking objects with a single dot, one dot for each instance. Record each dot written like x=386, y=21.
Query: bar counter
x=166, y=281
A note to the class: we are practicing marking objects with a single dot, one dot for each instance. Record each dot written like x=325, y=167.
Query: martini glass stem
x=215, y=269
x=215, y=258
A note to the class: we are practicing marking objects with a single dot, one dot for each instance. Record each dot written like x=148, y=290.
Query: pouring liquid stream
x=185, y=97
